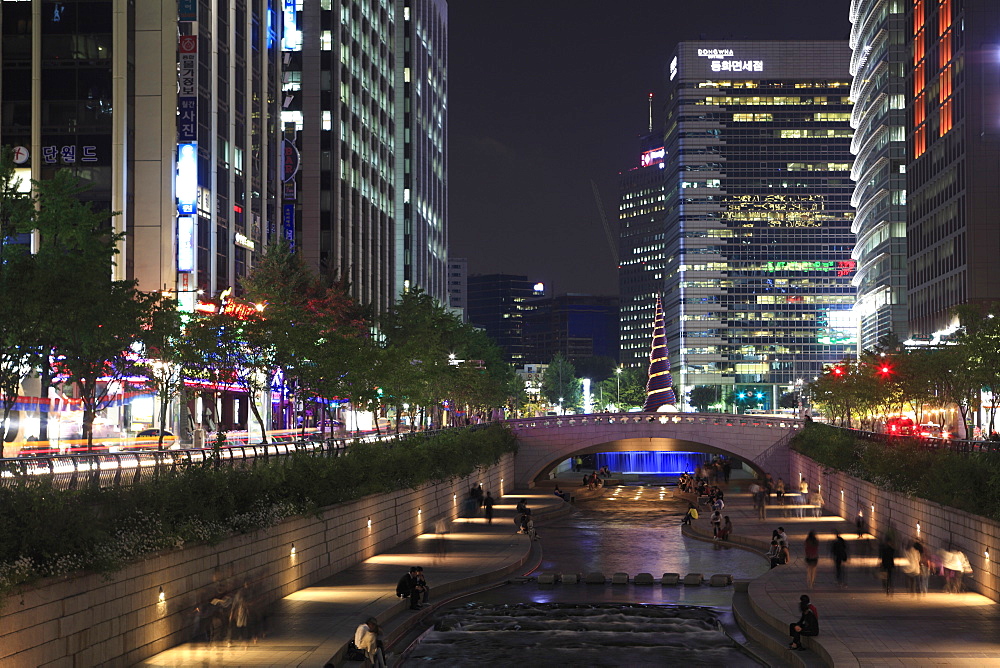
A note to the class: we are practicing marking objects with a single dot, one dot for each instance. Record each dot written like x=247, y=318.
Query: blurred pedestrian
x=812, y=558
x=887, y=564
x=716, y=521
x=488, y=507
x=838, y=550
x=727, y=528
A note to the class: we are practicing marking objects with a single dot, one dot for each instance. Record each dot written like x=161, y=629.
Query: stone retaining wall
x=939, y=525
x=88, y=620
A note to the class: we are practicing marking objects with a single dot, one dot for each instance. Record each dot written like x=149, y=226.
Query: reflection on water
x=635, y=530
x=632, y=531
x=577, y=635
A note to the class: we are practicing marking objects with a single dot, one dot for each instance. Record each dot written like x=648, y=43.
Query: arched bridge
x=761, y=441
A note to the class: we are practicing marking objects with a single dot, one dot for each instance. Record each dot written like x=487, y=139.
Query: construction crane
x=604, y=221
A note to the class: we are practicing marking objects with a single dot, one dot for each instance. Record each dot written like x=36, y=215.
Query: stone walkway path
x=860, y=625
x=314, y=625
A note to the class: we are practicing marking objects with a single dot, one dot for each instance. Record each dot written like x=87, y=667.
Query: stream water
x=629, y=530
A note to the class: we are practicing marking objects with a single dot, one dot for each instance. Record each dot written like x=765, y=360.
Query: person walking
x=812, y=558
x=838, y=550
x=488, y=507
x=808, y=624
x=716, y=521
x=887, y=564
x=727, y=528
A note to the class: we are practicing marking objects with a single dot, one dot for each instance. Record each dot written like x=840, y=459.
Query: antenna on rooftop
x=650, y=112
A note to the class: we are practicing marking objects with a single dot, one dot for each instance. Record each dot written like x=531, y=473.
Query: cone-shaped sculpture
x=660, y=386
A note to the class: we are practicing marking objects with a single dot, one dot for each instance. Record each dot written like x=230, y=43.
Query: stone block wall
x=934, y=525
x=88, y=620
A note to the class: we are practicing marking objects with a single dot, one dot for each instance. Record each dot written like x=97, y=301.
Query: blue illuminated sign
x=185, y=243
x=187, y=178
x=288, y=223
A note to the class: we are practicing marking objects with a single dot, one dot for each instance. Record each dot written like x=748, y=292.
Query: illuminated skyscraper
x=421, y=253
x=339, y=108
x=953, y=148
x=168, y=111
x=758, y=241
x=640, y=248
x=879, y=171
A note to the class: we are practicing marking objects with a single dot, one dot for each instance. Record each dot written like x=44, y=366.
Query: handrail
x=106, y=469
x=960, y=446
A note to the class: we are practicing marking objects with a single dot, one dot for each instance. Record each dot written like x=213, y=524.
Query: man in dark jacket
x=408, y=587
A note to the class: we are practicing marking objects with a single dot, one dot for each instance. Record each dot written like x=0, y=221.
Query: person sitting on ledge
x=808, y=624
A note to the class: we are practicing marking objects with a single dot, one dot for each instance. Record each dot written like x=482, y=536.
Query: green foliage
x=969, y=482
x=46, y=531
x=560, y=384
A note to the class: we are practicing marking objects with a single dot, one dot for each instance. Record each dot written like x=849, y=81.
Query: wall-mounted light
x=293, y=550
x=841, y=495
x=873, y=507
x=161, y=597
x=918, y=527
x=369, y=523
x=987, y=555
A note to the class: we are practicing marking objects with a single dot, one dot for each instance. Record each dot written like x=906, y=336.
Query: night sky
x=547, y=95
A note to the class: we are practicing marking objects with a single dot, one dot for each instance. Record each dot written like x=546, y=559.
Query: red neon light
x=845, y=267
x=205, y=307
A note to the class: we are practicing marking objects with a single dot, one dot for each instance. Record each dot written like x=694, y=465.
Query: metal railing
x=111, y=469
x=964, y=446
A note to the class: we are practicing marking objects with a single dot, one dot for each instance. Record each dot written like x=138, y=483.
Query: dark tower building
x=497, y=304
x=641, y=220
x=953, y=147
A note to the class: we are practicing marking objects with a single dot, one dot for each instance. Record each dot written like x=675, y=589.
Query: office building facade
x=953, y=148
x=458, y=278
x=421, y=252
x=497, y=304
x=757, y=289
x=339, y=114
x=879, y=171
x=641, y=224
x=577, y=326
x=167, y=112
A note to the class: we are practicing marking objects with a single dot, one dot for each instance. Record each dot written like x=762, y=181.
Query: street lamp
x=618, y=382
x=560, y=406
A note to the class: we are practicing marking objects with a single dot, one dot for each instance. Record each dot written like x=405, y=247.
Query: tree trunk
x=260, y=420
x=45, y=378
x=164, y=402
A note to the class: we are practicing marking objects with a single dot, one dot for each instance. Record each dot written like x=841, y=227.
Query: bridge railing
x=719, y=419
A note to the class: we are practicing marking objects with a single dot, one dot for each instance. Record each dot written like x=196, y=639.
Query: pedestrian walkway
x=859, y=624
x=313, y=626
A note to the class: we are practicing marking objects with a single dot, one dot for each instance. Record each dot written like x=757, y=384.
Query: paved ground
x=860, y=625
x=310, y=627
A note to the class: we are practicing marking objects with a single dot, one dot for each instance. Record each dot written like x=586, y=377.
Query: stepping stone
x=594, y=578
x=643, y=579
x=693, y=579
x=619, y=579
x=547, y=578
x=720, y=580
x=670, y=578
x=569, y=578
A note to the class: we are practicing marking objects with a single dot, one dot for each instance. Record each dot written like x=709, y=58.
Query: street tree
x=18, y=322
x=163, y=355
x=560, y=385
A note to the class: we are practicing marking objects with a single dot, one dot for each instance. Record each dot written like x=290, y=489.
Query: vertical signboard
x=288, y=223
x=187, y=89
x=186, y=182
x=187, y=10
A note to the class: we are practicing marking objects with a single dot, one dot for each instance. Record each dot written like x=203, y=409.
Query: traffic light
x=884, y=370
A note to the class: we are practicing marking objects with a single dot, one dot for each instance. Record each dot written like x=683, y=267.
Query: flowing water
x=629, y=530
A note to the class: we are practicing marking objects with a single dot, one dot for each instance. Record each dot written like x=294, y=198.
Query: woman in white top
x=366, y=638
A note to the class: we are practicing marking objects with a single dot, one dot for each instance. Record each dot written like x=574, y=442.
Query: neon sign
x=653, y=157
x=239, y=310
x=187, y=178
x=715, y=53
x=185, y=243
